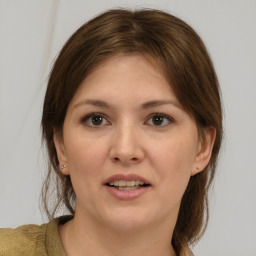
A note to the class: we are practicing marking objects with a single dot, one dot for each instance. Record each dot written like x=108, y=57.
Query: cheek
x=85, y=156
x=85, y=160
x=175, y=155
x=173, y=161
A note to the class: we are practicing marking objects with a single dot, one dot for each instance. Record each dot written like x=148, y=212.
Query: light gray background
x=31, y=35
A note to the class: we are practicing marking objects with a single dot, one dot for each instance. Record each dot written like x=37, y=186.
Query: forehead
x=126, y=75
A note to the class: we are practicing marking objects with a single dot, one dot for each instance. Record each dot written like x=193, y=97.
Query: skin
x=128, y=140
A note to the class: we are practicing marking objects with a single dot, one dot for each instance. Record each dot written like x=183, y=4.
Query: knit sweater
x=34, y=240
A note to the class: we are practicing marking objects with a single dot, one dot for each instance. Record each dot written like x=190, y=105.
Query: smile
x=127, y=187
x=127, y=184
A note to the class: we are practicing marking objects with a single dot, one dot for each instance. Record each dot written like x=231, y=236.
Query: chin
x=128, y=220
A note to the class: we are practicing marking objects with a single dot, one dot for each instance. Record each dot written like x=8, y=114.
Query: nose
x=126, y=146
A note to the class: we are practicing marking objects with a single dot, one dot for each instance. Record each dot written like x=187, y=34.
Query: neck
x=80, y=237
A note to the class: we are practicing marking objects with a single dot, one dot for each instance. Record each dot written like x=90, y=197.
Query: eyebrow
x=155, y=103
x=146, y=105
x=97, y=103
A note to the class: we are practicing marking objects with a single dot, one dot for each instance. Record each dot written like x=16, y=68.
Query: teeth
x=130, y=183
x=126, y=183
x=122, y=183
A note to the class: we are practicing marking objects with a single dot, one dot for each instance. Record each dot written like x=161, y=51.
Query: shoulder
x=24, y=240
x=33, y=240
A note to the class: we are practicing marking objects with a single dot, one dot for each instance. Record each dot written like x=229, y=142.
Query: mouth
x=127, y=187
x=127, y=184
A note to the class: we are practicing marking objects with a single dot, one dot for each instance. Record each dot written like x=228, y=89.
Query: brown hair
x=188, y=67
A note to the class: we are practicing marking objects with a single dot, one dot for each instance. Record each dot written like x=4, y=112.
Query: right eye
x=95, y=120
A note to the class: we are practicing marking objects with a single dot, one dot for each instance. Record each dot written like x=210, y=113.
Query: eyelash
x=165, y=117
x=88, y=118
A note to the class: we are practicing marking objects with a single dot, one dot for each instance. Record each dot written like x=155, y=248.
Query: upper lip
x=126, y=177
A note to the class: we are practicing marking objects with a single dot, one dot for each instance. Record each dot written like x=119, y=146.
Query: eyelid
x=86, y=118
x=168, y=117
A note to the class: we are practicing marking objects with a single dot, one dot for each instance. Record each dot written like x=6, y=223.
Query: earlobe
x=204, y=152
x=61, y=154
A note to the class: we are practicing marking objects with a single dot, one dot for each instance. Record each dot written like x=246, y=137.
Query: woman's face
x=129, y=145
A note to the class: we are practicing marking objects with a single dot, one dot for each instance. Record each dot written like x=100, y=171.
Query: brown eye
x=95, y=120
x=159, y=120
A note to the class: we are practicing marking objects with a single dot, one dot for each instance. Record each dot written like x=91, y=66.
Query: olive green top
x=34, y=240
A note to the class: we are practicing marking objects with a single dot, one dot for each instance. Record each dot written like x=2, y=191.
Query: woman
x=132, y=123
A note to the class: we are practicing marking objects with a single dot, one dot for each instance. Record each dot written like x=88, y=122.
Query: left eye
x=95, y=120
x=159, y=120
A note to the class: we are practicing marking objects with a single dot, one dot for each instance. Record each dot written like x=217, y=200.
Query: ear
x=61, y=154
x=204, y=151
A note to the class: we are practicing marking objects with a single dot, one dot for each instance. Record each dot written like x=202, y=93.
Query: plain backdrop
x=31, y=35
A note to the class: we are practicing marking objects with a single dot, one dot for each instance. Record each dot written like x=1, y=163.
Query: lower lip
x=127, y=194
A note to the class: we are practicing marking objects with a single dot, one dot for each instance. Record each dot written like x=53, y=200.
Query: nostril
x=133, y=159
